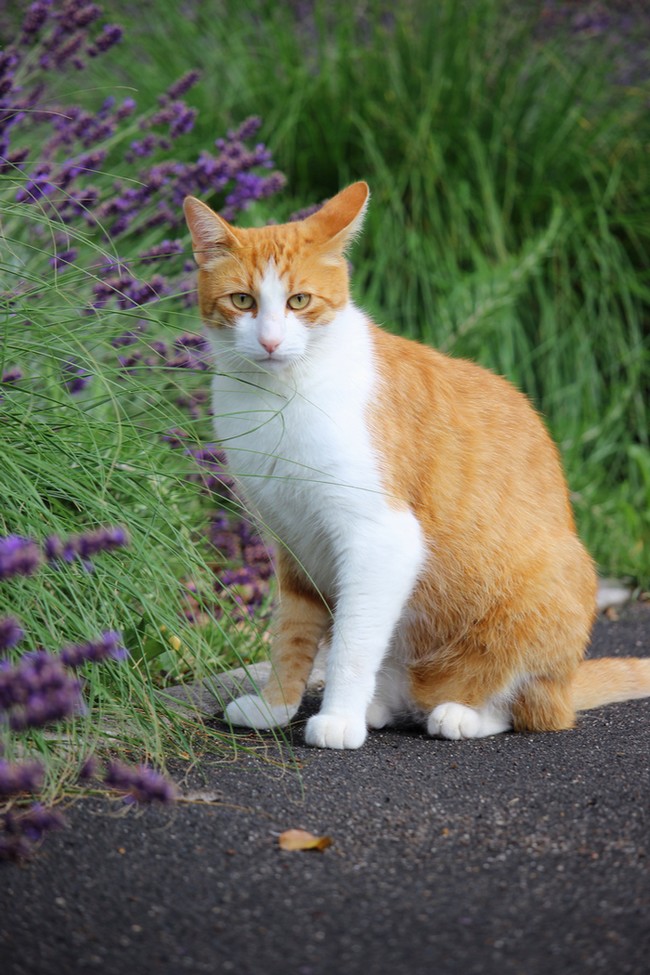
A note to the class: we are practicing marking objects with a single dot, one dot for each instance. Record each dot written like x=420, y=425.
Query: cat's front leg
x=376, y=577
x=301, y=620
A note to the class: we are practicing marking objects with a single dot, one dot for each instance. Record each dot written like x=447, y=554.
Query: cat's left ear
x=211, y=234
x=339, y=221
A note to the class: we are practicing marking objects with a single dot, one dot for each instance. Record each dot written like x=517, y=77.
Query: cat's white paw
x=335, y=731
x=378, y=715
x=253, y=711
x=456, y=721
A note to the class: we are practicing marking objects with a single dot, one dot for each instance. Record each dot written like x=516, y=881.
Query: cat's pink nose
x=270, y=345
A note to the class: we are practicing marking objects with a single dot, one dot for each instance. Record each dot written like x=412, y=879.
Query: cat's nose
x=270, y=344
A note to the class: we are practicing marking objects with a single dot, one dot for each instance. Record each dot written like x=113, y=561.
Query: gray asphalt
x=516, y=854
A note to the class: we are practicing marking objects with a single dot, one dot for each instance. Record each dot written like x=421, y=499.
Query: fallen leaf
x=301, y=839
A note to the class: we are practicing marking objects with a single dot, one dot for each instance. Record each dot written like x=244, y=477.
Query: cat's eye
x=299, y=301
x=242, y=301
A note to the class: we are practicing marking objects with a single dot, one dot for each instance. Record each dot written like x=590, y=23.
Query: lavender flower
x=37, y=690
x=111, y=35
x=246, y=565
x=212, y=474
x=102, y=540
x=191, y=352
x=62, y=258
x=75, y=377
x=166, y=248
x=11, y=376
x=126, y=338
x=20, y=831
x=38, y=820
x=306, y=212
x=85, y=546
x=57, y=550
x=35, y=17
x=11, y=633
x=175, y=437
x=18, y=556
x=20, y=777
x=141, y=784
x=63, y=36
x=109, y=646
x=88, y=769
x=183, y=85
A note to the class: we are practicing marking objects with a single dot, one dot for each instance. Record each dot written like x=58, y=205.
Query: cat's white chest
x=300, y=448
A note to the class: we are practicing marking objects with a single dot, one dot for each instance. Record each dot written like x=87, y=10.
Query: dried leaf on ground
x=301, y=839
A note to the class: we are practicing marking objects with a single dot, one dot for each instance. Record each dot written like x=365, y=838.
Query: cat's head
x=273, y=287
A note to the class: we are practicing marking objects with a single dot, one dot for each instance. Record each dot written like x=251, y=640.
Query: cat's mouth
x=276, y=360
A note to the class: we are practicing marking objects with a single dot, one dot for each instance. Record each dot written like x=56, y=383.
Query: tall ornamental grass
x=510, y=218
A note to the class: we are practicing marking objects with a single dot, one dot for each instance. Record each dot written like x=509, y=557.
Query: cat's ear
x=211, y=234
x=339, y=221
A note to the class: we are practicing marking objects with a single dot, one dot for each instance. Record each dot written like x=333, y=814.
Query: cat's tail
x=609, y=680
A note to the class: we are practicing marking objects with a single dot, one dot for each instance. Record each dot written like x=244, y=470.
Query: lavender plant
x=75, y=202
x=42, y=688
x=99, y=364
x=108, y=243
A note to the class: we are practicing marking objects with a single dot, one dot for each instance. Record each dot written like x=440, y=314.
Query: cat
x=422, y=515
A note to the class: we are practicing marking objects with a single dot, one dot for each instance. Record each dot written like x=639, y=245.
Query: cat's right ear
x=211, y=234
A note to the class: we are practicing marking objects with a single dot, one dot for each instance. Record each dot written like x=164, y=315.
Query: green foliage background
x=510, y=210
x=509, y=223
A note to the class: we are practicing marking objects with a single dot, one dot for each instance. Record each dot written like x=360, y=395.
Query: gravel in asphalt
x=517, y=854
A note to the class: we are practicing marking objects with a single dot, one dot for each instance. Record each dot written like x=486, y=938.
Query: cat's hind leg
x=465, y=689
x=540, y=704
x=301, y=621
x=456, y=721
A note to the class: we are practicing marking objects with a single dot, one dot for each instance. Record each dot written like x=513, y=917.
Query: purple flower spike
x=20, y=831
x=102, y=540
x=180, y=87
x=37, y=690
x=11, y=632
x=108, y=647
x=39, y=820
x=88, y=770
x=11, y=376
x=36, y=16
x=111, y=34
x=141, y=784
x=18, y=556
x=20, y=777
x=75, y=377
x=85, y=546
x=57, y=550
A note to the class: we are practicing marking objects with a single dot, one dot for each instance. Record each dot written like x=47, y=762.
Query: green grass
x=75, y=462
x=510, y=210
x=508, y=223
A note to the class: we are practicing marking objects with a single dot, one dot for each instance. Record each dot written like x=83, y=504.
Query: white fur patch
x=272, y=336
x=298, y=443
x=253, y=711
x=336, y=731
x=456, y=721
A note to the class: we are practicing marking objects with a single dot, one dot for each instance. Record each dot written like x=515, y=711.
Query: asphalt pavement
x=517, y=854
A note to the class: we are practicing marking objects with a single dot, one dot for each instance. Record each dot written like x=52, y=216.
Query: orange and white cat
x=423, y=518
